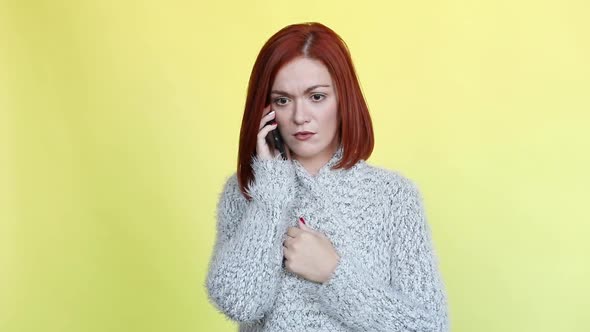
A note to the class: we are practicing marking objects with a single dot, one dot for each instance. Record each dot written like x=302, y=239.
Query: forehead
x=302, y=73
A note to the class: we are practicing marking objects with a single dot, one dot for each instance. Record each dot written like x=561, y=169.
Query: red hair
x=314, y=41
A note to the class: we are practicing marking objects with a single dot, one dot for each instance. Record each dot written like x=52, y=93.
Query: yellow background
x=119, y=123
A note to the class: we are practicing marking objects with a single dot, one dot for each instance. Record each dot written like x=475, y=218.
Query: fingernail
x=302, y=220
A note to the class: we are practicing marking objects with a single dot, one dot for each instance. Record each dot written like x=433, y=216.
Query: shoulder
x=230, y=182
x=392, y=194
x=390, y=183
x=230, y=194
x=400, y=197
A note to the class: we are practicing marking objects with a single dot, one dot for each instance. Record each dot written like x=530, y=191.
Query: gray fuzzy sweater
x=387, y=278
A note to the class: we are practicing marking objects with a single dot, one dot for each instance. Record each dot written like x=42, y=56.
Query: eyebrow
x=278, y=92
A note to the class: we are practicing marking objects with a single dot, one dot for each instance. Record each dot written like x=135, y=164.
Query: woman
x=320, y=241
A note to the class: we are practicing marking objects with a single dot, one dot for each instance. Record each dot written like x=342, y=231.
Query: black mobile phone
x=275, y=141
x=278, y=142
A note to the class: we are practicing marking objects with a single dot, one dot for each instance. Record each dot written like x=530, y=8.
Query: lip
x=303, y=135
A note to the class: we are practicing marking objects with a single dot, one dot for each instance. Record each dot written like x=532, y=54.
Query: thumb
x=304, y=227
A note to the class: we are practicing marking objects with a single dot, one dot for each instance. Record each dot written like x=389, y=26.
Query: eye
x=281, y=101
x=314, y=97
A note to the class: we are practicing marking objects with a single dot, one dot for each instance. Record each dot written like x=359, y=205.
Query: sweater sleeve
x=415, y=299
x=245, y=267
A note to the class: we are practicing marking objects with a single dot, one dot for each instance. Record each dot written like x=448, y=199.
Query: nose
x=300, y=114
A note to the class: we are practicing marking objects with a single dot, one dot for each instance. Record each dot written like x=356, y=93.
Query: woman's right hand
x=262, y=148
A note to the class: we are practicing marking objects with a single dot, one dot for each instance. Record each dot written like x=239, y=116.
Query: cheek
x=331, y=116
x=280, y=117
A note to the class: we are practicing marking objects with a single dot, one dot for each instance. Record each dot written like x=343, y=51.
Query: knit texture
x=387, y=278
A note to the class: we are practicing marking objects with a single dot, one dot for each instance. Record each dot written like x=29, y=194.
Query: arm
x=415, y=300
x=245, y=268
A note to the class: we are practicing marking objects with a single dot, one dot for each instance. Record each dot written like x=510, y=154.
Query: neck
x=313, y=164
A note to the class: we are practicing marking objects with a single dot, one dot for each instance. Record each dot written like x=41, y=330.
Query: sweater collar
x=313, y=182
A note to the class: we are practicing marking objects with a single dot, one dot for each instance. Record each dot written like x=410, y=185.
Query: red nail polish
x=302, y=220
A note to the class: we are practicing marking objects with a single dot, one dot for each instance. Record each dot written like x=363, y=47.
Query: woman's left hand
x=309, y=254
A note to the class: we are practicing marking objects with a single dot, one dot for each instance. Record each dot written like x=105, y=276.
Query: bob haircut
x=315, y=41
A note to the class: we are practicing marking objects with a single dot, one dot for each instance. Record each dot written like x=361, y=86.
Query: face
x=304, y=99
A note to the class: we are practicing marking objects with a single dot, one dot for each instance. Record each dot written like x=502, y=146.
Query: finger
x=266, y=118
x=286, y=253
x=287, y=265
x=294, y=231
x=264, y=131
x=306, y=228
x=288, y=242
x=291, y=231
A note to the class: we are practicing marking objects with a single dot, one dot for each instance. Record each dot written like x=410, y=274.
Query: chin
x=306, y=151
